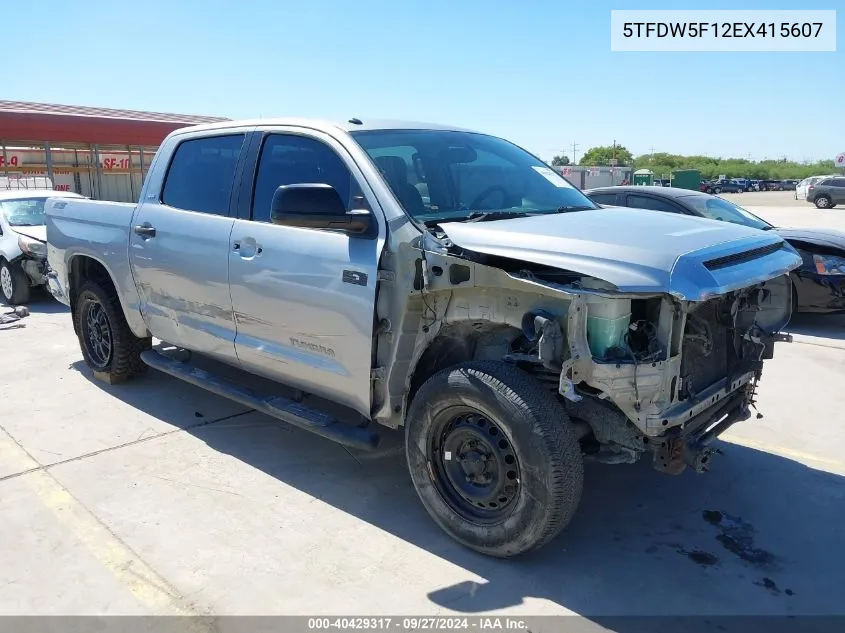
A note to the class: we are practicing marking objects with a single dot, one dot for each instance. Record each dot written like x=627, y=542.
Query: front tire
x=493, y=457
x=14, y=284
x=108, y=345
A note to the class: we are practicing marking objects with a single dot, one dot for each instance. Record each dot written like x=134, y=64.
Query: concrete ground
x=156, y=497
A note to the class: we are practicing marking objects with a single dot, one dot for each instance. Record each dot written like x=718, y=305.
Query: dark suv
x=827, y=193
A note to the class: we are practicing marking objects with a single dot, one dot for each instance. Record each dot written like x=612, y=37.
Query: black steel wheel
x=107, y=343
x=476, y=468
x=493, y=457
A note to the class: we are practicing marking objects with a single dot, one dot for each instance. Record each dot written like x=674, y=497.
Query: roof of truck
x=351, y=125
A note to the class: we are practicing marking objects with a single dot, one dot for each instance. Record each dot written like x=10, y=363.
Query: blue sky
x=540, y=72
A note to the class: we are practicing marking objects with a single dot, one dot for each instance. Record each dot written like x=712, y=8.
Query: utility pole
x=575, y=148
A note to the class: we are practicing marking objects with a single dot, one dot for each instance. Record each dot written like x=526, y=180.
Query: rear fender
x=77, y=271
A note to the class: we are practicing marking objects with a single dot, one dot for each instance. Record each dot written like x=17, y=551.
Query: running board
x=283, y=409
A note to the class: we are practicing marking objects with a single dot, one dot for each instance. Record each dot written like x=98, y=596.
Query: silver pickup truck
x=434, y=278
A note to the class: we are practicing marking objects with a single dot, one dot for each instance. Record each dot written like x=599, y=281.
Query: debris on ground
x=9, y=319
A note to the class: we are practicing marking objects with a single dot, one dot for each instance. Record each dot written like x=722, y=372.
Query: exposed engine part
x=669, y=458
x=699, y=460
x=699, y=334
x=543, y=329
x=614, y=455
x=608, y=425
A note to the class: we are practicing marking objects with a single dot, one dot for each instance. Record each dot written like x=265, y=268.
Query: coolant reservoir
x=607, y=323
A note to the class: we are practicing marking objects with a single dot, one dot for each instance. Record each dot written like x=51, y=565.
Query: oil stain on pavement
x=737, y=536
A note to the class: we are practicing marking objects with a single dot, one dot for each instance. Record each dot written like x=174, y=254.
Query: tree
x=603, y=154
x=560, y=161
x=662, y=164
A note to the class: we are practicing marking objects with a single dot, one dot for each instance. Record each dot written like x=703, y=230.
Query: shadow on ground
x=759, y=535
x=40, y=302
x=818, y=325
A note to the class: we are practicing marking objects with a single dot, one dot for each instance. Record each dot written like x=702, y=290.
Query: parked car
x=23, y=242
x=827, y=193
x=502, y=324
x=788, y=185
x=755, y=185
x=662, y=182
x=725, y=186
x=802, y=186
x=818, y=284
x=770, y=185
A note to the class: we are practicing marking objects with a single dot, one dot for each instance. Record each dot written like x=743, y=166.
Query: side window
x=603, y=198
x=202, y=173
x=655, y=204
x=838, y=182
x=287, y=159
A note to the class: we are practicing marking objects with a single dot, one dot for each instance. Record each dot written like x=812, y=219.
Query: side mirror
x=319, y=206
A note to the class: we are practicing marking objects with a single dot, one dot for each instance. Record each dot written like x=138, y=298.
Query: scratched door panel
x=304, y=301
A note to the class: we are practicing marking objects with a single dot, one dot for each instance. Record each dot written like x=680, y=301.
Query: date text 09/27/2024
x=722, y=29
x=422, y=623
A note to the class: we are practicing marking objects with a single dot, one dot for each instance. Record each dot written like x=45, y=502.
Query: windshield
x=451, y=175
x=29, y=212
x=721, y=209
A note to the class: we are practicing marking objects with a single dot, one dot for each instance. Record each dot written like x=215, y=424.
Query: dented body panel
x=651, y=328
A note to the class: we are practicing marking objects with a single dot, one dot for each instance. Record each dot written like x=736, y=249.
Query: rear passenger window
x=287, y=159
x=655, y=204
x=603, y=198
x=202, y=174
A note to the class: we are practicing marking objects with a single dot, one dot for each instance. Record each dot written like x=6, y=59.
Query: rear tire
x=823, y=202
x=108, y=345
x=493, y=457
x=14, y=284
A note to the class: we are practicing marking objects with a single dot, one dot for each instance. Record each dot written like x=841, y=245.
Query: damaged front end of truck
x=651, y=358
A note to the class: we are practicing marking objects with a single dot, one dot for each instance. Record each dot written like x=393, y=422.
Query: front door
x=304, y=299
x=179, y=245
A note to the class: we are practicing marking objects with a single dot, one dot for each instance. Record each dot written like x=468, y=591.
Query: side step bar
x=278, y=407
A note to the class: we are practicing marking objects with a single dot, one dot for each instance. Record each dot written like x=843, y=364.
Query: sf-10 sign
x=839, y=161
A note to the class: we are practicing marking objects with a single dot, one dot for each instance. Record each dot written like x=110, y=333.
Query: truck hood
x=636, y=250
x=35, y=232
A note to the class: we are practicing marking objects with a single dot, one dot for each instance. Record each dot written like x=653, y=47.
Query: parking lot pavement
x=156, y=497
x=781, y=209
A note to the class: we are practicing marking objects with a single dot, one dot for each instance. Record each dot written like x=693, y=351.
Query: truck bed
x=99, y=229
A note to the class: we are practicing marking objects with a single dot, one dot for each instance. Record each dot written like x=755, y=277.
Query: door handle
x=145, y=230
x=247, y=248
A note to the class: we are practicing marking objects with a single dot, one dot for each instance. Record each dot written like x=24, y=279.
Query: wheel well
x=459, y=343
x=82, y=269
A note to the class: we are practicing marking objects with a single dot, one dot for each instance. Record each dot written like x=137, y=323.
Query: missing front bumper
x=692, y=446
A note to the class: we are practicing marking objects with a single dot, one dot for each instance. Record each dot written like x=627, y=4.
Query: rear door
x=837, y=190
x=304, y=299
x=179, y=242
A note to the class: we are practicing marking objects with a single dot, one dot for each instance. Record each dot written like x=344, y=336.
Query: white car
x=802, y=187
x=23, y=241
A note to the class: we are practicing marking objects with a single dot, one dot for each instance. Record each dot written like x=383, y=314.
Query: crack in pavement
x=111, y=448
